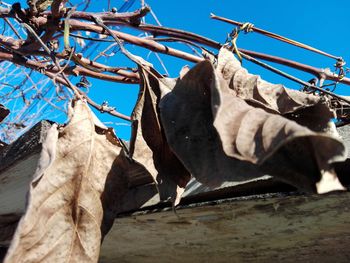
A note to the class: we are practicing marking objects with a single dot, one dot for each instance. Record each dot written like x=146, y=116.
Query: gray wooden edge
x=18, y=162
x=263, y=228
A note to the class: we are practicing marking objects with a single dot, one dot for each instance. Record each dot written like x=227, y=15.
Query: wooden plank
x=257, y=229
x=18, y=162
x=28, y=143
x=14, y=185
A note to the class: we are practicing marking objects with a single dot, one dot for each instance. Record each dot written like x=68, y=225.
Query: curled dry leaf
x=307, y=109
x=187, y=119
x=219, y=137
x=148, y=144
x=281, y=147
x=64, y=211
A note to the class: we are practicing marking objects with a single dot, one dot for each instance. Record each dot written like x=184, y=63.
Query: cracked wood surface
x=306, y=226
x=265, y=228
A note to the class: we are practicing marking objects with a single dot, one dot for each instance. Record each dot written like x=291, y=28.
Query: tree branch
x=88, y=100
x=120, y=18
x=75, y=71
x=145, y=43
x=180, y=34
x=57, y=7
x=133, y=18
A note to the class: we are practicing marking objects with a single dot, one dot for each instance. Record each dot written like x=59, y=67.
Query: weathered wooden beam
x=264, y=228
x=29, y=143
x=18, y=162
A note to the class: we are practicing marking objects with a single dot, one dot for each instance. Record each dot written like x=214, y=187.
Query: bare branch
x=119, y=18
x=91, y=102
x=275, y=36
x=57, y=7
x=76, y=71
x=145, y=43
x=132, y=18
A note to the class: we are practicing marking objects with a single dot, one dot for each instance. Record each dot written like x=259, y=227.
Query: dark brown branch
x=89, y=101
x=125, y=17
x=115, y=70
x=10, y=42
x=80, y=71
x=145, y=43
x=132, y=18
x=12, y=27
x=275, y=36
x=172, y=32
x=14, y=45
x=75, y=71
x=53, y=75
x=78, y=25
x=152, y=45
x=320, y=73
x=57, y=7
x=288, y=76
x=175, y=39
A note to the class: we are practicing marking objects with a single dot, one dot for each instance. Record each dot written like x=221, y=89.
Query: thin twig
x=288, y=76
x=276, y=36
x=54, y=59
x=77, y=25
x=12, y=27
x=125, y=76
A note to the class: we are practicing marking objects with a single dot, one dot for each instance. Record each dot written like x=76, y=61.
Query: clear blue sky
x=319, y=23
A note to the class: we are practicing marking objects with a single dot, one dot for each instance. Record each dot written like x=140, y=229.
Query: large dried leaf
x=308, y=109
x=187, y=119
x=148, y=144
x=64, y=211
x=283, y=148
x=242, y=136
x=252, y=134
x=3, y=112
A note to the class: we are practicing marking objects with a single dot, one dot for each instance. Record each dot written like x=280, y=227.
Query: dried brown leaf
x=64, y=212
x=251, y=87
x=307, y=109
x=241, y=136
x=148, y=144
x=187, y=119
x=282, y=147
